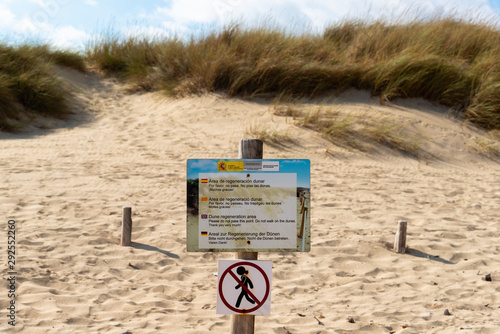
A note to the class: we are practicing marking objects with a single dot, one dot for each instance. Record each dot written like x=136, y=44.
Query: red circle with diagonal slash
x=259, y=304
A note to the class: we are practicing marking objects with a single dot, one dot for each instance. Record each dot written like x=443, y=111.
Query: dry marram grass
x=444, y=59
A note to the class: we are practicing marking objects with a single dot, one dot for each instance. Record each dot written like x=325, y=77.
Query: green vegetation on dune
x=446, y=60
x=28, y=85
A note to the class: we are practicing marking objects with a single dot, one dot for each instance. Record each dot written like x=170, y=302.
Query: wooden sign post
x=247, y=205
x=244, y=324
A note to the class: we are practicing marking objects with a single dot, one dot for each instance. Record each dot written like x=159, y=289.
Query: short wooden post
x=400, y=241
x=127, y=226
x=245, y=323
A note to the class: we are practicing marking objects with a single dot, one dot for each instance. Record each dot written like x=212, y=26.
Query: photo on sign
x=248, y=205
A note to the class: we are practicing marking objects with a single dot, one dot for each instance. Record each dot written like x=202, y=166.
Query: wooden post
x=400, y=241
x=304, y=215
x=127, y=226
x=251, y=149
x=245, y=323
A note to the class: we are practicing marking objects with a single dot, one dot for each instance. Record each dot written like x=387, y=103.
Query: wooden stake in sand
x=400, y=242
x=127, y=226
x=244, y=324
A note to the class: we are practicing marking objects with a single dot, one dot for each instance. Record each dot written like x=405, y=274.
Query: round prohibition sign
x=229, y=271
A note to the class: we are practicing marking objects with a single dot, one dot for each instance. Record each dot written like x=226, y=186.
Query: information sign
x=248, y=205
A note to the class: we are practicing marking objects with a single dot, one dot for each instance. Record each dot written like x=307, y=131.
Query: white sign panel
x=244, y=287
x=241, y=210
x=248, y=205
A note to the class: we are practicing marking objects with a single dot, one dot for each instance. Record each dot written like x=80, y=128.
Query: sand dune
x=66, y=187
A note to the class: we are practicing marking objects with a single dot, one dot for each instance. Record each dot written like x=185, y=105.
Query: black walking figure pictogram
x=246, y=282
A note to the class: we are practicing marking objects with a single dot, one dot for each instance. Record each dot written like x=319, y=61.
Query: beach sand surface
x=65, y=186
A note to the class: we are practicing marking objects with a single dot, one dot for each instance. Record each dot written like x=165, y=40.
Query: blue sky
x=72, y=23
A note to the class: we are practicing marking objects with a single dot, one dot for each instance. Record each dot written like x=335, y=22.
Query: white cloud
x=40, y=25
x=65, y=37
x=189, y=11
x=32, y=25
x=93, y=3
x=7, y=17
x=69, y=37
x=38, y=2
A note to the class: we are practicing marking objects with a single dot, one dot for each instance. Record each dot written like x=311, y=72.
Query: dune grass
x=28, y=85
x=268, y=135
x=447, y=60
x=360, y=131
x=455, y=62
x=486, y=145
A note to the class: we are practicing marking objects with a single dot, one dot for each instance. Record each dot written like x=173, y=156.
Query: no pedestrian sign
x=244, y=287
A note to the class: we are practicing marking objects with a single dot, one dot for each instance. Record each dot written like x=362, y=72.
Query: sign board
x=244, y=287
x=248, y=205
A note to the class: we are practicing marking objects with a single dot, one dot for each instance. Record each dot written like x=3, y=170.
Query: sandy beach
x=65, y=186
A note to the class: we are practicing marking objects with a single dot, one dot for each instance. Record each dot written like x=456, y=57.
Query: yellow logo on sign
x=230, y=166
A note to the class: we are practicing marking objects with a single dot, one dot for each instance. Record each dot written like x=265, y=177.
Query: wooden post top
x=251, y=149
